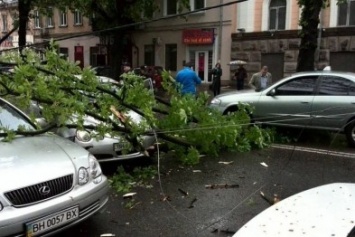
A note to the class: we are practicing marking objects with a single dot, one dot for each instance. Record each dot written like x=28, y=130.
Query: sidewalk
x=204, y=87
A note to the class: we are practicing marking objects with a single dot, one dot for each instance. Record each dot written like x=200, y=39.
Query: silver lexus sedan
x=322, y=100
x=47, y=182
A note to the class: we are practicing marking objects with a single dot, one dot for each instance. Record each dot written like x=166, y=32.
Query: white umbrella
x=237, y=62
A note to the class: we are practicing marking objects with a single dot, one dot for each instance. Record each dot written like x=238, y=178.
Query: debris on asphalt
x=214, y=186
x=134, y=205
x=165, y=198
x=129, y=195
x=226, y=232
x=225, y=162
x=183, y=192
x=192, y=203
x=196, y=171
x=264, y=164
x=107, y=235
x=270, y=200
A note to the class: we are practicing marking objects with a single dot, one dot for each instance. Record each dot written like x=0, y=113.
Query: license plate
x=44, y=224
x=118, y=146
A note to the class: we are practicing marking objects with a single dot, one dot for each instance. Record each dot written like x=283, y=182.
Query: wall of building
x=170, y=31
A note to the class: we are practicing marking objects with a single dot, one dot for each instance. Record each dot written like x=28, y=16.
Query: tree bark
x=309, y=33
x=24, y=8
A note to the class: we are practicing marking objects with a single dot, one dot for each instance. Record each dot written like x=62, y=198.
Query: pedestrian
x=188, y=79
x=260, y=80
x=216, y=79
x=126, y=67
x=144, y=71
x=240, y=76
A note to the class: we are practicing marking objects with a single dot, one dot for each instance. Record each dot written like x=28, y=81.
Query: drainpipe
x=220, y=31
x=319, y=39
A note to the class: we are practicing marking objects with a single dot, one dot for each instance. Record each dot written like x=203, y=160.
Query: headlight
x=83, y=136
x=83, y=176
x=95, y=169
x=215, y=101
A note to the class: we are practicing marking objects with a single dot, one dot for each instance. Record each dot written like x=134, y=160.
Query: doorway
x=79, y=55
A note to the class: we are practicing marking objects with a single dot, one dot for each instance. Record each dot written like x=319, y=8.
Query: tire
x=350, y=133
x=230, y=110
x=235, y=109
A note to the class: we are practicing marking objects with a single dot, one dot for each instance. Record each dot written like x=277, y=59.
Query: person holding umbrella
x=240, y=75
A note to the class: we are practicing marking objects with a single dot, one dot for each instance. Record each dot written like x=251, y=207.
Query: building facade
x=64, y=27
x=266, y=33
x=203, y=38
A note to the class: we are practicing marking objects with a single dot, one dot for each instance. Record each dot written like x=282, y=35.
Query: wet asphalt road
x=163, y=210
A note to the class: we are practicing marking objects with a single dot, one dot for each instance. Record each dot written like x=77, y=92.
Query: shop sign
x=197, y=36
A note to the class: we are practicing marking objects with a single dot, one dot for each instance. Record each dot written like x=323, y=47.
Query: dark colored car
x=153, y=72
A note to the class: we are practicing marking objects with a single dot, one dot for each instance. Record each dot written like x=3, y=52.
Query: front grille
x=37, y=192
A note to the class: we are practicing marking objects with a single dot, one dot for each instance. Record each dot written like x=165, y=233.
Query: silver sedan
x=47, y=182
x=322, y=100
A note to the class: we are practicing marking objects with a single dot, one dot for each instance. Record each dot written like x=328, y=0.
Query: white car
x=327, y=210
x=107, y=148
x=47, y=182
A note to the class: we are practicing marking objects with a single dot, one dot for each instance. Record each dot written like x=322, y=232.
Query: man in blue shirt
x=188, y=80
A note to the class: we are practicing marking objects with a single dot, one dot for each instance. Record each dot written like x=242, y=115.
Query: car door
x=288, y=103
x=334, y=104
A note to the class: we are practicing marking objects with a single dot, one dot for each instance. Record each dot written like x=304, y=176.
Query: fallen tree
x=185, y=124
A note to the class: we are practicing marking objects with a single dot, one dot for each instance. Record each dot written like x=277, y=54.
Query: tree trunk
x=24, y=8
x=309, y=22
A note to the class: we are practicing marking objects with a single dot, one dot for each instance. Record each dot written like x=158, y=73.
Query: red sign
x=197, y=36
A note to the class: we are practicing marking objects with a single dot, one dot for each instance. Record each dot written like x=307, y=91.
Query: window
x=337, y=86
x=171, y=57
x=298, y=86
x=277, y=15
x=64, y=52
x=63, y=18
x=4, y=23
x=197, y=4
x=346, y=14
x=50, y=18
x=78, y=18
x=171, y=7
x=37, y=19
x=149, y=56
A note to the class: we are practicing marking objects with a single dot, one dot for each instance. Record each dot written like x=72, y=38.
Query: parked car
x=47, y=183
x=105, y=71
x=153, y=72
x=327, y=210
x=322, y=100
x=107, y=148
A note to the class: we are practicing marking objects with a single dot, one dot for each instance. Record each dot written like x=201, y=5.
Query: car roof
x=325, y=72
x=326, y=210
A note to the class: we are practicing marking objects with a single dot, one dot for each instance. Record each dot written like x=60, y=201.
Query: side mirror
x=272, y=92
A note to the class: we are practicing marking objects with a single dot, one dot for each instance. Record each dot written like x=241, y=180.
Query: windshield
x=11, y=119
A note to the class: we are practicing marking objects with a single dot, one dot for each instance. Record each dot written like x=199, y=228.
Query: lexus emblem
x=44, y=190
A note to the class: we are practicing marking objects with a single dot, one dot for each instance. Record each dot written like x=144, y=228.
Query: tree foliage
x=184, y=123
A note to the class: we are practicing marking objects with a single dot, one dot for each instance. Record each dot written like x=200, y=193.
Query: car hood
x=88, y=120
x=326, y=210
x=29, y=160
x=248, y=92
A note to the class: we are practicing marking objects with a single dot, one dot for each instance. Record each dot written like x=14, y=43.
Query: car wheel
x=230, y=110
x=350, y=133
x=235, y=109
